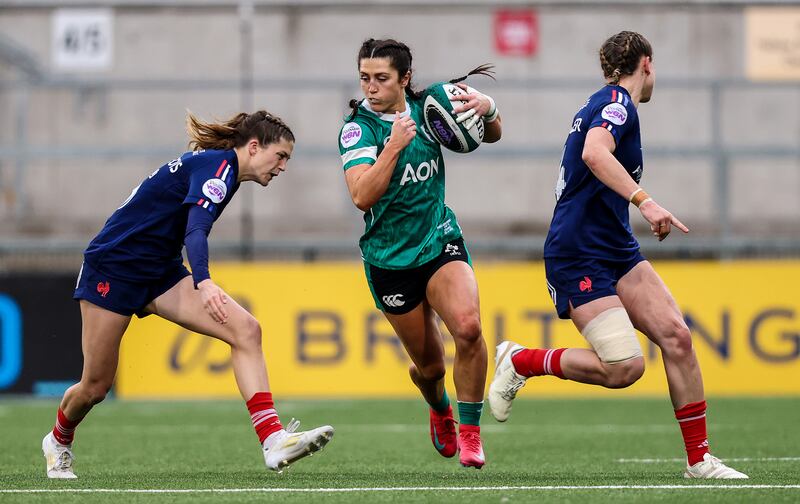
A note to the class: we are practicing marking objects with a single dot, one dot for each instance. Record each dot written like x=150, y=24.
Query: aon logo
x=423, y=172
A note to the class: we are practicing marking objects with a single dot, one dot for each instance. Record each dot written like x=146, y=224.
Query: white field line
x=395, y=489
x=727, y=459
x=399, y=428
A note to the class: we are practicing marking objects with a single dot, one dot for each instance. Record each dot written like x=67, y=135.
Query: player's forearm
x=198, y=225
x=609, y=171
x=372, y=184
x=197, y=254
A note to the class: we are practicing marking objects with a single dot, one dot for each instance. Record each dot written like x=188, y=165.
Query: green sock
x=469, y=413
x=443, y=404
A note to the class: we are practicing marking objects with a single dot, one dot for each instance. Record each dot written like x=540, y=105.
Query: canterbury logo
x=394, y=300
x=586, y=284
x=452, y=250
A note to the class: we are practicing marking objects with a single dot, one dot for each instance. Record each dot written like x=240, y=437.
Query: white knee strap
x=612, y=336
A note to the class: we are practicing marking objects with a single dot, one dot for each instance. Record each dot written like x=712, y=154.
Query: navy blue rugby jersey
x=590, y=220
x=143, y=238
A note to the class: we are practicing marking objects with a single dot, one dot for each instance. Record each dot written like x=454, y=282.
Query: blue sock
x=469, y=413
x=443, y=404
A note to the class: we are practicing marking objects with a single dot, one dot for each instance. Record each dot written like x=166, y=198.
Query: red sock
x=537, y=362
x=692, y=419
x=263, y=415
x=64, y=431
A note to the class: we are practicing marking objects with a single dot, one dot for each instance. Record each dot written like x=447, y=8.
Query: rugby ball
x=440, y=121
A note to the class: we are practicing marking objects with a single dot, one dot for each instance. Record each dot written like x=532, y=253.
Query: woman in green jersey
x=416, y=263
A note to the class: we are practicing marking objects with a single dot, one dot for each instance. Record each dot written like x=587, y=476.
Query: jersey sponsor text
x=424, y=171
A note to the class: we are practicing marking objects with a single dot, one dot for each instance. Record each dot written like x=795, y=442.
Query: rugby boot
x=59, y=458
x=443, y=432
x=287, y=446
x=470, y=446
x=712, y=468
x=506, y=382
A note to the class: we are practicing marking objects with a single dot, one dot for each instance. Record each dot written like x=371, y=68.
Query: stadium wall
x=169, y=59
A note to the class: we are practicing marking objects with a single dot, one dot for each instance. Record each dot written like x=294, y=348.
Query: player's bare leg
x=621, y=368
x=453, y=294
x=420, y=335
x=418, y=330
x=654, y=312
x=584, y=365
x=101, y=334
x=183, y=305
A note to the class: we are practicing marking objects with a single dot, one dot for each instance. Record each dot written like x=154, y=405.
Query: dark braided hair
x=237, y=131
x=620, y=54
x=400, y=59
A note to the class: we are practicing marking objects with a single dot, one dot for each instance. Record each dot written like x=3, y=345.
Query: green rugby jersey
x=410, y=224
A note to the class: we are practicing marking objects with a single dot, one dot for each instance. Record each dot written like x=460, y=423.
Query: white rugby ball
x=440, y=120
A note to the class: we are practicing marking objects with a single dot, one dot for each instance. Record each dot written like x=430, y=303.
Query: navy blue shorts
x=123, y=296
x=578, y=280
x=400, y=291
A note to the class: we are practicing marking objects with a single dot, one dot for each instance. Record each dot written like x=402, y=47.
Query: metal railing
x=30, y=77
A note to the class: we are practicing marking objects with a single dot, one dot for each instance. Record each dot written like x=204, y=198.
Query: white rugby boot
x=712, y=468
x=287, y=446
x=59, y=458
x=506, y=381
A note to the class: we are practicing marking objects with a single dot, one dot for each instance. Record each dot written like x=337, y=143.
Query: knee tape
x=612, y=336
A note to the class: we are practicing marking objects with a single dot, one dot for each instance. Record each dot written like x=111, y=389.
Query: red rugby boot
x=443, y=432
x=470, y=446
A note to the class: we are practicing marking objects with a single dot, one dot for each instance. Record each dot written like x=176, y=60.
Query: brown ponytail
x=236, y=131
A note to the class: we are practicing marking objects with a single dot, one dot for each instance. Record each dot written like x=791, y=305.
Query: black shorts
x=400, y=291
x=123, y=296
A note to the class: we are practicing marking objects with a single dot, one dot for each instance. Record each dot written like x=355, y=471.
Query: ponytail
x=486, y=69
x=236, y=131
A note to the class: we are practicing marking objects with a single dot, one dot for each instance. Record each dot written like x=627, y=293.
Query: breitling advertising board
x=323, y=336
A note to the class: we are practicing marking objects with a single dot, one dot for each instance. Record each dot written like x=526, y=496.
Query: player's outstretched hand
x=661, y=221
x=214, y=300
x=404, y=130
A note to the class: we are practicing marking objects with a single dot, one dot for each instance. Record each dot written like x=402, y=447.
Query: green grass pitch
x=546, y=446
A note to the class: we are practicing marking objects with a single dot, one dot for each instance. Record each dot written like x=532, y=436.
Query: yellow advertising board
x=323, y=336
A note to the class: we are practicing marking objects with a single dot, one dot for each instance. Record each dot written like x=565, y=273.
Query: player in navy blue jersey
x=595, y=273
x=134, y=266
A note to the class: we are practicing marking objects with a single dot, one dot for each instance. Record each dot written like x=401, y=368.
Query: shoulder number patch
x=351, y=134
x=615, y=113
x=215, y=189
